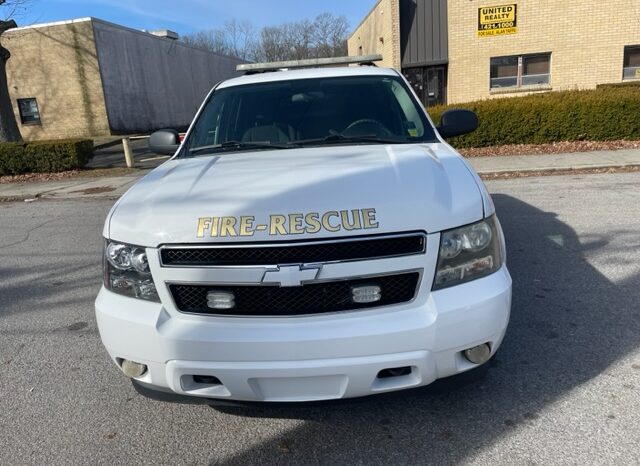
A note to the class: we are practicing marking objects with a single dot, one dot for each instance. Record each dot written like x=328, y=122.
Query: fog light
x=133, y=369
x=221, y=300
x=478, y=354
x=366, y=294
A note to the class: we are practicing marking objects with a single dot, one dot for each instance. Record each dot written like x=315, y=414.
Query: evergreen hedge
x=44, y=156
x=604, y=114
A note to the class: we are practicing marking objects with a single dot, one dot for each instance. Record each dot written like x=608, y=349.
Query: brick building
x=88, y=77
x=463, y=50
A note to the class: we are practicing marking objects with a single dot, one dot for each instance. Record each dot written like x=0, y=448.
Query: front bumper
x=309, y=358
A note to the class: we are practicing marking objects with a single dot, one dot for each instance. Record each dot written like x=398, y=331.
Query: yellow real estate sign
x=497, y=20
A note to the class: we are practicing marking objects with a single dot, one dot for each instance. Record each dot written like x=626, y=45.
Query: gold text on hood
x=332, y=221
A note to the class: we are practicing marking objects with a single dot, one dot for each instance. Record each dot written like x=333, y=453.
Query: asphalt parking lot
x=564, y=388
x=112, y=156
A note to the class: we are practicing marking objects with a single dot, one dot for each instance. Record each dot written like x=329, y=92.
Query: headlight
x=468, y=253
x=126, y=271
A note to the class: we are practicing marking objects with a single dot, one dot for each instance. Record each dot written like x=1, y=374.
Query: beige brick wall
x=58, y=66
x=586, y=39
x=379, y=33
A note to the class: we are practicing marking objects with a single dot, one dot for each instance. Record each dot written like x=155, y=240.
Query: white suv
x=312, y=238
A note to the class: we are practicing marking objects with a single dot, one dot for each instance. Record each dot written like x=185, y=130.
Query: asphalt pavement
x=564, y=388
x=112, y=155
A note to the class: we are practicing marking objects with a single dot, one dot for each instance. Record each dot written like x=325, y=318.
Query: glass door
x=429, y=83
x=436, y=85
x=415, y=76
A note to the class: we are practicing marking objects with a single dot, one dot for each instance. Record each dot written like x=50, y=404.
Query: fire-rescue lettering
x=332, y=221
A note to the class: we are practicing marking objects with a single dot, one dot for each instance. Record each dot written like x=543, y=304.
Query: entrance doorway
x=429, y=83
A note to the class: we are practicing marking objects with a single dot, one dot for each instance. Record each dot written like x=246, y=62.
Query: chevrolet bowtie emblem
x=293, y=275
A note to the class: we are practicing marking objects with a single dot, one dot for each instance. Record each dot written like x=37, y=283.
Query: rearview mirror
x=164, y=141
x=457, y=122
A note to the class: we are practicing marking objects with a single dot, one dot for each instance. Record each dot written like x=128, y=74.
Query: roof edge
x=53, y=23
x=95, y=20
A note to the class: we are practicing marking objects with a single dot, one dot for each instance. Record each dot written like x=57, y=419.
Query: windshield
x=307, y=112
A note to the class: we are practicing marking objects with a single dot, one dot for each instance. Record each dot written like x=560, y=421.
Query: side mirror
x=164, y=141
x=457, y=122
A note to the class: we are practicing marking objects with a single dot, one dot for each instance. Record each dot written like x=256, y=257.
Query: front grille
x=314, y=298
x=309, y=252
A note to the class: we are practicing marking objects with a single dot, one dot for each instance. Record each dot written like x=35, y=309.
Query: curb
x=530, y=172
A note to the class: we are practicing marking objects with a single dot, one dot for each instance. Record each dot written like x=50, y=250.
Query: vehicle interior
x=292, y=111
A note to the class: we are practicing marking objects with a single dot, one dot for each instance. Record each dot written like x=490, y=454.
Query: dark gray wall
x=423, y=32
x=151, y=82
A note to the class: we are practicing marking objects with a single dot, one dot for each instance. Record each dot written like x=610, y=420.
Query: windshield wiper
x=237, y=145
x=229, y=146
x=339, y=138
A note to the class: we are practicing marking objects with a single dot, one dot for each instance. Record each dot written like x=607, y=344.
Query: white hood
x=423, y=187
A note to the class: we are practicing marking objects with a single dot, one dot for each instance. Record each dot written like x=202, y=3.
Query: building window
x=521, y=70
x=631, y=62
x=29, y=113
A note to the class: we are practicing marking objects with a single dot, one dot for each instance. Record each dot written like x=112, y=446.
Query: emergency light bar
x=311, y=63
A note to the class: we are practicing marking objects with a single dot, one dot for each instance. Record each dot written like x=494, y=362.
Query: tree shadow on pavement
x=40, y=288
x=569, y=323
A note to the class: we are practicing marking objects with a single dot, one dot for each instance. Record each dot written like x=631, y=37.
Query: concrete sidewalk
x=71, y=188
x=115, y=186
x=576, y=160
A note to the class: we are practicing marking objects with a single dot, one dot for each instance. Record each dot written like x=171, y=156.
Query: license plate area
x=324, y=387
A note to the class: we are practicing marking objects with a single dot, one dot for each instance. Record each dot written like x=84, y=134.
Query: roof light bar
x=312, y=63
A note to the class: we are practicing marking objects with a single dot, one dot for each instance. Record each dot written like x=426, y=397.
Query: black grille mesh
x=295, y=254
x=314, y=298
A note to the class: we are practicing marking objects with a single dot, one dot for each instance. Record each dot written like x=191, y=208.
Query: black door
x=429, y=83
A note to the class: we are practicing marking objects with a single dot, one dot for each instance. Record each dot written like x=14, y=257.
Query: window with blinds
x=521, y=71
x=631, y=68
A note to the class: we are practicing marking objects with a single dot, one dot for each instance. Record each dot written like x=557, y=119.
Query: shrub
x=44, y=156
x=610, y=113
x=624, y=84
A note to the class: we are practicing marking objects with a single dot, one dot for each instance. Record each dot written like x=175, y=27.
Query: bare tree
x=301, y=37
x=213, y=40
x=14, y=9
x=241, y=38
x=8, y=126
x=330, y=35
x=325, y=36
x=236, y=38
x=273, y=44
